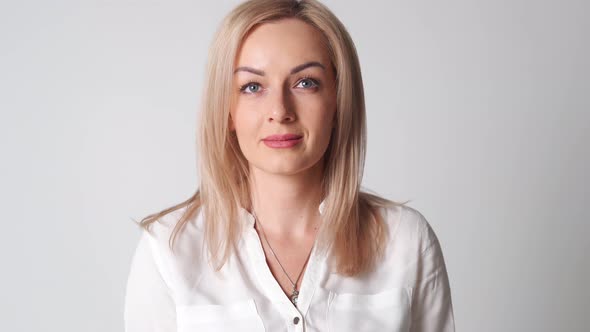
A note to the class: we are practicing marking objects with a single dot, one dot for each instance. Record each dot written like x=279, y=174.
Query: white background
x=478, y=111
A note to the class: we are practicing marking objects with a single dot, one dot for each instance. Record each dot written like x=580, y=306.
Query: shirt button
x=296, y=320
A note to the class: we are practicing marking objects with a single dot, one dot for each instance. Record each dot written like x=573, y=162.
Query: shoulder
x=406, y=225
x=409, y=226
x=160, y=231
x=178, y=262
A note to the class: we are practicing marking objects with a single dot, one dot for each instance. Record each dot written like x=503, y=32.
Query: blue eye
x=308, y=83
x=250, y=87
x=254, y=87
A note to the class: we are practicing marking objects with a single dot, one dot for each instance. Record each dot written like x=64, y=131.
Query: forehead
x=283, y=43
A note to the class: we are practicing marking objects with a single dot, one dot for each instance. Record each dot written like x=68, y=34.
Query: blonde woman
x=279, y=236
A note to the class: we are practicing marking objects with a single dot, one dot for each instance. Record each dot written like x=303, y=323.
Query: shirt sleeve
x=149, y=306
x=432, y=308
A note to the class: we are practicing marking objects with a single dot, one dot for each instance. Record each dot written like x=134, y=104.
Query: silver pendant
x=294, y=296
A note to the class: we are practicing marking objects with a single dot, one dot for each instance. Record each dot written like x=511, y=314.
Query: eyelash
x=316, y=82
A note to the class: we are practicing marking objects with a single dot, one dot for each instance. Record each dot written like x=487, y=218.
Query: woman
x=279, y=236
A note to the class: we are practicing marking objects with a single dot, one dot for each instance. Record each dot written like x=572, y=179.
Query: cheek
x=240, y=113
x=321, y=126
x=325, y=115
x=246, y=126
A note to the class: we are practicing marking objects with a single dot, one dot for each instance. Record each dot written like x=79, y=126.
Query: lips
x=284, y=141
x=283, y=137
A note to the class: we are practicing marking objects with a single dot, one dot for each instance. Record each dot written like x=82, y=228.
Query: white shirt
x=409, y=291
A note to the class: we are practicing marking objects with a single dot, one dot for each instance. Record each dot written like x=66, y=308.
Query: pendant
x=294, y=296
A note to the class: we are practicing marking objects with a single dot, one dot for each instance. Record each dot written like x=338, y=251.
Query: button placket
x=309, y=283
x=270, y=286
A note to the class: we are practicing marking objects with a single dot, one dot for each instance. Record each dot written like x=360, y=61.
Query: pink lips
x=282, y=141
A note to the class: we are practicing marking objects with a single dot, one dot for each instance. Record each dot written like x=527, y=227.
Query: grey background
x=478, y=111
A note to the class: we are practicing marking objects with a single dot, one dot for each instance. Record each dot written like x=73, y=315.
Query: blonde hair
x=353, y=229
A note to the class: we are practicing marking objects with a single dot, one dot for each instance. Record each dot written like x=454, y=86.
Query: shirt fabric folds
x=179, y=291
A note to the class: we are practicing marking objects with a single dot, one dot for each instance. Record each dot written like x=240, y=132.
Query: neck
x=287, y=205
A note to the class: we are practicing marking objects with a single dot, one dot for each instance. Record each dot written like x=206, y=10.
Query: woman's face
x=283, y=84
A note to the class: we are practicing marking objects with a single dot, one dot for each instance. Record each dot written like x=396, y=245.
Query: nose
x=281, y=107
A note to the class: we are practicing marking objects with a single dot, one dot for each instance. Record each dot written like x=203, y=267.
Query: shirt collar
x=249, y=218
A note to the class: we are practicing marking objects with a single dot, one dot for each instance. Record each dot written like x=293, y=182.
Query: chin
x=285, y=166
x=283, y=169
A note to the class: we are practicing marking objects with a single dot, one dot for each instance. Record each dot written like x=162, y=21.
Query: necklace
x=295, y=293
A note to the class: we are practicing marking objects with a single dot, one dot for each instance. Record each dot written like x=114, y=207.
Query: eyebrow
x=293, y=71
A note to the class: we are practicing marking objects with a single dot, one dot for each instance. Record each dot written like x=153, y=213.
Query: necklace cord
x=295, y=292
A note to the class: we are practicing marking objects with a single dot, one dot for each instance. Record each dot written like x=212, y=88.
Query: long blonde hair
x=352, y=229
